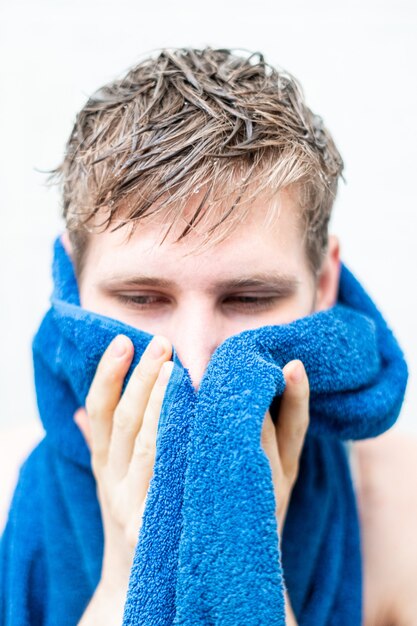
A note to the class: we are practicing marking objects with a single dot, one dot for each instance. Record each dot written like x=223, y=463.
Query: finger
x=82, y=420
x=293, y=417
x=270, y=446
x=104, y=394
x=134, y=524
x=130, y=411
x=143, y=458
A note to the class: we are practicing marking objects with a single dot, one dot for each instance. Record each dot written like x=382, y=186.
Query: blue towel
x=208, y=551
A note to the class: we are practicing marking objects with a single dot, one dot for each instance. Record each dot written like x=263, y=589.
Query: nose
x=195, y=334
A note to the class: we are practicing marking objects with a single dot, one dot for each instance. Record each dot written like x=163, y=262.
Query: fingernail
x=297, y=373
x=165, y=372
x=156, y=348
x=119, y=346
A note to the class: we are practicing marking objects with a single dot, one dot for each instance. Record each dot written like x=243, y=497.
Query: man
x=198, y=295
x=197, y=195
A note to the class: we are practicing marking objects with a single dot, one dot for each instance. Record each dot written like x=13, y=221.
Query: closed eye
x=143, y=302
x=251, y=302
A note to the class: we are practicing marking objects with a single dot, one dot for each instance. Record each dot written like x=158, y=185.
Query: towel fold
x=208, y=552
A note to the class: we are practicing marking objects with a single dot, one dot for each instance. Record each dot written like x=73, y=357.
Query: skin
x=386, y=489
x=195, y=311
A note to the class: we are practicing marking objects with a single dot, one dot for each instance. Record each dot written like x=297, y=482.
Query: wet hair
x=186, y=120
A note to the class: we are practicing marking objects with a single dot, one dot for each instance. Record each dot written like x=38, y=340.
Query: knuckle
x=109, y=371
x=300, y=429
x=122, y=419
x=112, y=375
x=142, y=373
x=144, y=447
x=155, y=405
x=114, y=509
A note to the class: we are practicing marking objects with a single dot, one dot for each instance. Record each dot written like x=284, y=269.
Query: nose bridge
x=195, y=336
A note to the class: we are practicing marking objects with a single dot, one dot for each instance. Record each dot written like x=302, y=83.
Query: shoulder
x=385, y=481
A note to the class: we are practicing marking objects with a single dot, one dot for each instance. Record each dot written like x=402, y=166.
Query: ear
x=65, y=240
x=328, y=278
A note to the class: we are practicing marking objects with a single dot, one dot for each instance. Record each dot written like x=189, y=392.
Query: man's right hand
x=120, y=430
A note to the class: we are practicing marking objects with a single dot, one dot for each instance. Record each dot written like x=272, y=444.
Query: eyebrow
x=284, y=283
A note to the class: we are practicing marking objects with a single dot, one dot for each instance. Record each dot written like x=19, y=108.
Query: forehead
x=268, y=237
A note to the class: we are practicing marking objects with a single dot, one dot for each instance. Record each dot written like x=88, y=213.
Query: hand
x=283, y=444
x=121, y=433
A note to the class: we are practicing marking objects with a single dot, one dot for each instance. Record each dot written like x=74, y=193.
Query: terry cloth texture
x=208, y=551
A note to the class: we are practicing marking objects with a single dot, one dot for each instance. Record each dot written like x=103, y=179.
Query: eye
x=141, y=301
x=239, y=302
x=250, y=302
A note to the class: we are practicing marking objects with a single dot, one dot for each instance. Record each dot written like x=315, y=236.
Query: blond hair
x=189, y=119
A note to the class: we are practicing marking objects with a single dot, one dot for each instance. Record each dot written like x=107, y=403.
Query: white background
x=356, y=63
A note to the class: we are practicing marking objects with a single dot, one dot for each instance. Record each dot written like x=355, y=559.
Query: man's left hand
x=283, y=443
